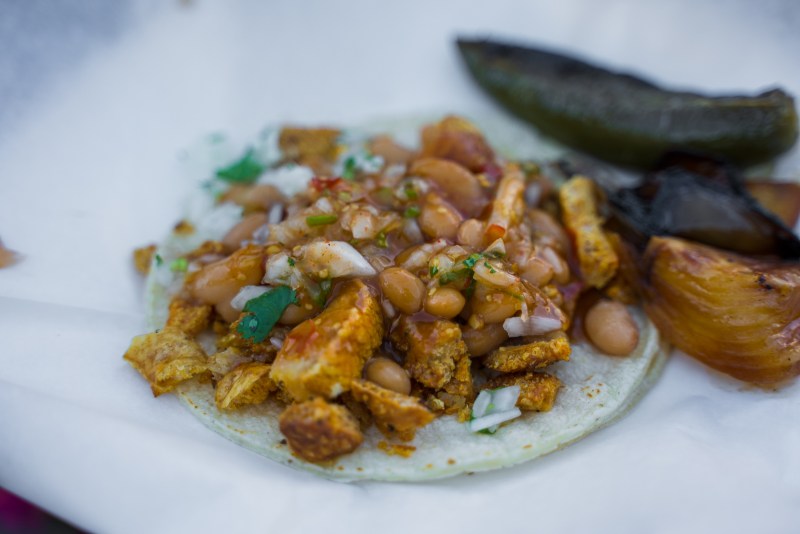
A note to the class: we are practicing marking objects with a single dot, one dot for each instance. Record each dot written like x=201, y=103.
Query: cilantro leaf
x=349, y=171
x=243, y=171
x=264, y=311
x=179, y=265
x=411, y=212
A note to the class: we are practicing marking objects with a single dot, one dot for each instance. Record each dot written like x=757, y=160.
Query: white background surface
x=88, y=171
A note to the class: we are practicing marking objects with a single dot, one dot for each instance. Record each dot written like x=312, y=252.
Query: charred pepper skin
x=624, y=119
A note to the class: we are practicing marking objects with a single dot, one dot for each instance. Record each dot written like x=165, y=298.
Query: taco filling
x=347, y=301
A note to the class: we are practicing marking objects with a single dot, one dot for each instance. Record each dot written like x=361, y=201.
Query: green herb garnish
x=324, y=292
x=321, y=220
x=411, y=212
x=433, y=270
x=243, y=171
x=380, y=240
x=290, y=261
x=452, y=276
x=180, y=265
x=410, y=191
x=264, y=312
x=349, y=171
x=159, y=260
x=489, y=266
x=472, y=260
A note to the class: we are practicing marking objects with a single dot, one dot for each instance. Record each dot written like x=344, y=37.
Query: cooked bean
x=438, y=218
x=445, y=302
x=404, y=290
x=547, y=230
x=254, y=197
x=296, y=314
x=558, y=263
x=389, y=375
x=244, y=230
x=470, y=233
x=456, y=183
x=219, y=282
x=483, y=340
x=610, y=327
x=493, y=306
x=537, y=271
x=391, y=152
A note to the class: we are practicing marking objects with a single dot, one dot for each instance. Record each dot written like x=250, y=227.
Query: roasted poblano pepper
x=624, y=119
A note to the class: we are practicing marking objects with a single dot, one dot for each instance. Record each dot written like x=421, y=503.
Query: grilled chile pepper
x=624, y=119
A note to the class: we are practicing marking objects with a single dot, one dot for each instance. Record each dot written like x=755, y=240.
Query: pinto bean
x=610, y=328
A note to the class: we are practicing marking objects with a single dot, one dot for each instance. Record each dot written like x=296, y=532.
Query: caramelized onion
x=738, y=315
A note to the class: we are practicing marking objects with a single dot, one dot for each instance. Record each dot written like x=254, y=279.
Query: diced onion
x=534, y=326
x=246, y=294
x=505, y=399
x=340, y=259
x=290, y=179
x=218, y=222
x=276, y=342
x=481, y=404
x=492, y=420
x=489, y=274
x=275, y=214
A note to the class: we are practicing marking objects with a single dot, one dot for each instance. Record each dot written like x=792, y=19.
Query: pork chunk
x=537, y=391
x=166, y=358
x=396, y=415
x=534, y=355
x=188, y=316
x=432, y=350
x=318, y=431
x=321, y=356
x=248, y=383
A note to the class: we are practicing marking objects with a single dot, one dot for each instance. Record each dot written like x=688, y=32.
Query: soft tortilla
x=597, y=389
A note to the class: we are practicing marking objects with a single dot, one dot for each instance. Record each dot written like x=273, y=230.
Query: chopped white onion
x=497, y=248
x=278, y=269
x=505, y=399
x=340, y=259
x=276, y=342
x=494, y=276
x=493, y=420
x=533, y=194
x=290, y=179
x=275, y=214
x=324, y=205
x=218, y=222
x=534, y=326
x=247, y=293
x=481, y=404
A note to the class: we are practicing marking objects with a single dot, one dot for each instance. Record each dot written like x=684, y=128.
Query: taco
x=396, y=302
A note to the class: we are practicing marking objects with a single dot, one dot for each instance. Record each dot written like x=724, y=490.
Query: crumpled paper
x=89, y=171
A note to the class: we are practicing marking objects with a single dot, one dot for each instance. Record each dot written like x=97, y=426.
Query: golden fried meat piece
x=318, y=431
x=537, y=391
x=188, y=316
x=596, y=255
x=314, y=147
x=142, y=258
x=432, y=350
x=321, y=356
x=534, y=355
x=396, y=415
x=166, y=358
x=223, y=362
x=248, y=383
x=264, y=351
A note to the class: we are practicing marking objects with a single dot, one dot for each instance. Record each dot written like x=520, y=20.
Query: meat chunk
x=596, y=255
x=530, y=356
x=248, y=383
x=396, y=415
x=537, y=391
x=321, y=356
x=188, y=316
x=263, y=351
x=318, y=431
x=166, y=358
x=432, y=350
x=223, y=362
x=142, y=258
x=315, y=147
